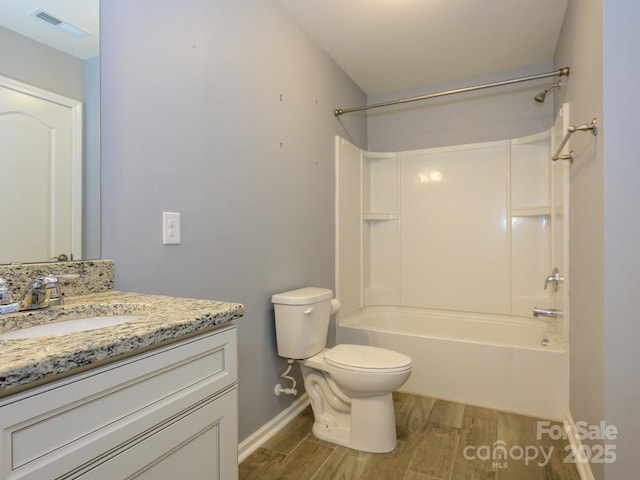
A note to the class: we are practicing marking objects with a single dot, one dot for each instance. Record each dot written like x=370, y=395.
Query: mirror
x=49, y=47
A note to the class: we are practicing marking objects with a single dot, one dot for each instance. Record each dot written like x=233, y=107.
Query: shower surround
x=442, y=254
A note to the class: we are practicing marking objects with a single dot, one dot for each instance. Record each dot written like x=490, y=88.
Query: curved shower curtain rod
x=556, y=73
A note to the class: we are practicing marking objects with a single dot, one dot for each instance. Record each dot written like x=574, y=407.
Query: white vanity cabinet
x=165, y=414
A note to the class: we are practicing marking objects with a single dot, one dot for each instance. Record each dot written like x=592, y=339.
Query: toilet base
x=372, y=428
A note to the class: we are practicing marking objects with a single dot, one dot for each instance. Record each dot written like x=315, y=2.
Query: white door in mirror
x=40, y=148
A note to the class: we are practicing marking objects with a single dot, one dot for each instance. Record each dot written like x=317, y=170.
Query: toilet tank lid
x=302, y=296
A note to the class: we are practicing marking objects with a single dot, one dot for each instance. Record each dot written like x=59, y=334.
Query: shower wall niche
x=472, y=228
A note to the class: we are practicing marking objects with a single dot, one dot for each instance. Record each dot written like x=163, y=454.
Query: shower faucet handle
x=555, y=279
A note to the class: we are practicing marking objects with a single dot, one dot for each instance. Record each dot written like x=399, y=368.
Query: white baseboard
x=269, y=429
x=584, y=469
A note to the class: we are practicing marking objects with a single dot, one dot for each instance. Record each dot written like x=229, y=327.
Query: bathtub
x=515, y=364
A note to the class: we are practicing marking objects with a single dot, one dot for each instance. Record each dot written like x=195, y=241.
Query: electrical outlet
x=170, y=228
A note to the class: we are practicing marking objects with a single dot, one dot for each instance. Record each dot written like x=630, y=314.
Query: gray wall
x=222, y=111
x=91, y=172
x=28, y=61
x=605, y=224
x=621, y=232
x=583, y=91
x=484, y=115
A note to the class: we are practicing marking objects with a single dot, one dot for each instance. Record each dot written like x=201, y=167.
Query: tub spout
x=547, y=312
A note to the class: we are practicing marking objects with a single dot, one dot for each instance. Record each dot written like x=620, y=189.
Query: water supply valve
x=279, y=389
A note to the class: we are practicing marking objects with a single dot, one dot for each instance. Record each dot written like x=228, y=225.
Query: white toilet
x=349, y=385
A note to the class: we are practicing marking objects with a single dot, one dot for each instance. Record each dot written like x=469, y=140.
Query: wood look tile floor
x=437, y=440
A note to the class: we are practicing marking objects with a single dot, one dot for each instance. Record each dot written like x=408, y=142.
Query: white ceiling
x=15, y=15
x=383, y=45
x=386, y=45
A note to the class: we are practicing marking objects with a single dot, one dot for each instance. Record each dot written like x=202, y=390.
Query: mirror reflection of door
x=40, y=140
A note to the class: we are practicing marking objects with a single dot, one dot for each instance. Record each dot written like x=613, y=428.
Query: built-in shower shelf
x=379, y=216
x=534, y=211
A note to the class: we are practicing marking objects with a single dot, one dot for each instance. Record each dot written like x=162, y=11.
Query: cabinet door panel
x=199, y=446
x=93, y=414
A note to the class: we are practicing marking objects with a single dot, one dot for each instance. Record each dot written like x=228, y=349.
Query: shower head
x=540, y=97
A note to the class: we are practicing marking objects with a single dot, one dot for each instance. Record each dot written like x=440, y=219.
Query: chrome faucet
x=42, y=292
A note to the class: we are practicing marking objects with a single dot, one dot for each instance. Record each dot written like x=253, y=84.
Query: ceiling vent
x=68, y=27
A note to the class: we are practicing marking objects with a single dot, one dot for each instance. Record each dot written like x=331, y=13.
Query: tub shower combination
x=443, y=254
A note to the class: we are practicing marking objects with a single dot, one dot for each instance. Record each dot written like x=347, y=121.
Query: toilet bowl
x=351, y=399
x=349, y=386
x=361, y=370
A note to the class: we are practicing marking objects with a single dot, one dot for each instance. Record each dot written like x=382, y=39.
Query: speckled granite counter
x=76, y=278
x=29, y=362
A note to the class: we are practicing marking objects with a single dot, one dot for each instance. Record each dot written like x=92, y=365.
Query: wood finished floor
x=432, y=440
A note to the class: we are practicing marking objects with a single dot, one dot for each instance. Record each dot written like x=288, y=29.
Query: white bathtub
x=492, y=361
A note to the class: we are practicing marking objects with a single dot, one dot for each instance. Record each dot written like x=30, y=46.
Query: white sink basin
x=69, y=326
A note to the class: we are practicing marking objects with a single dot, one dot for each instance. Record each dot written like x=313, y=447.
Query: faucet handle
x=555, y=279
x=52, y=286
x=42, y=292
x=6, y=297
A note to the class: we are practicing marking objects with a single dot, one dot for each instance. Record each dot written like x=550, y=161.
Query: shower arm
x=556, y=73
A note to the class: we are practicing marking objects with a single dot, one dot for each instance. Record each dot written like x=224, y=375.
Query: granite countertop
x=29, y=362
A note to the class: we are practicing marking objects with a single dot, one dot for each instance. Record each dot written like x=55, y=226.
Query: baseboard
x=584, y=469
x=269, y=429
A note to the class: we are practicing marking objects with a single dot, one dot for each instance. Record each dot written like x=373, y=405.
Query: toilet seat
x=364, y=358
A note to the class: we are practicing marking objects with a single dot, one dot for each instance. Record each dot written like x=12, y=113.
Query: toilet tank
x=302, y=321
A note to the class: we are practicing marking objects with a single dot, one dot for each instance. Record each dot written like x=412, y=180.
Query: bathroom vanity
x=152, y=398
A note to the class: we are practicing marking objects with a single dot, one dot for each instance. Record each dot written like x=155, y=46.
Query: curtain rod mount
x=592, y=127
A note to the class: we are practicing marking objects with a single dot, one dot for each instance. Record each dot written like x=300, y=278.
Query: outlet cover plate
x=170, y=228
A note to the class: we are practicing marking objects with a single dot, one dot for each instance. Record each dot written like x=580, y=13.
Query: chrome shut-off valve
x=554, y=279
